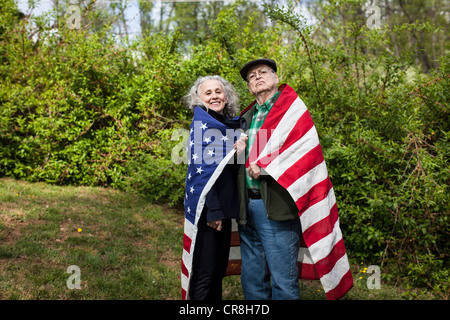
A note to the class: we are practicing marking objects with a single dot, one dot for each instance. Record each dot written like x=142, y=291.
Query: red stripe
x=183, y=294
x=235, y=240
x=303, y=125
x=276, y=113
x=184, y=270
x=313, y=158
x=248, y=108
x=317, y=193
x=325, y=265
x=341, y=289
x=302, y=242
x=321, y=228
x=234, y=267
x=307, y=271
x=187, y=243
x=283, y=103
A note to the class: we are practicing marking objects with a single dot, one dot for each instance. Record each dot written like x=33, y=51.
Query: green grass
x=125, y=247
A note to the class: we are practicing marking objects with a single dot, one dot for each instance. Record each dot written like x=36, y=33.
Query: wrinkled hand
x=241, y=144
x=254, y=171
x=217, y=224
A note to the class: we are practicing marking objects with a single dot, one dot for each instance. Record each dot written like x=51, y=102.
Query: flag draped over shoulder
x=210, y=147
x=287, y=147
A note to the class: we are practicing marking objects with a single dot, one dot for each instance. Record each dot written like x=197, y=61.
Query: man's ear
x=276, y=77
x=248, y=87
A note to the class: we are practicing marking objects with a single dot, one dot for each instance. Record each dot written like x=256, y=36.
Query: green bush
x=384, y=128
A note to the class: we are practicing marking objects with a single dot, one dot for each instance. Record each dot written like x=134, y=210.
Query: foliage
x=384, y=130
x=80, y=108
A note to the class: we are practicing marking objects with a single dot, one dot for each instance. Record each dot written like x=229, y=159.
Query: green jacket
x=279, y=204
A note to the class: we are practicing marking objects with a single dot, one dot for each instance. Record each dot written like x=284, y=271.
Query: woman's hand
x=217, y=224
x=241, y=144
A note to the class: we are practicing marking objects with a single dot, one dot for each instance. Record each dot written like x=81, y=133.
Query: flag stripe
x=270, y=140
x=341, y=289
x=290, y=155
x=327, y=264
x=332, y=279
x=322, y=228
x=316, y=194
x=187, y=243
x=302, y=166
x=184, y=270
x=302, y=185
x=282, y=116
x=318, y=209
x=307, y=271
x=322, y=248
x=295, y=147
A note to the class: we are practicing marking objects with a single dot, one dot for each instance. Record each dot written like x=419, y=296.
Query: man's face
x=261, y=78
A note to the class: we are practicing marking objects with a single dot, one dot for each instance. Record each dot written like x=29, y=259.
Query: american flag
x=287, y=147
x=210, y=147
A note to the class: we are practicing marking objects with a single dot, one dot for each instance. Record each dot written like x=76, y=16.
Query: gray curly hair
x=193, y=99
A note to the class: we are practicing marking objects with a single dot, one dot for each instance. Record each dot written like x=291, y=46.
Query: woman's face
x=212, y=94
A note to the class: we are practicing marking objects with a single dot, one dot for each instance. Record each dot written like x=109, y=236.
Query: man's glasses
x=263, y=72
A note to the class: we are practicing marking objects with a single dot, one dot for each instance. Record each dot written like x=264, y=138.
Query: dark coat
x=278, y=202
x=222, y=201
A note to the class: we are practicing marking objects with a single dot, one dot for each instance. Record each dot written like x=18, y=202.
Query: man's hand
x=254, y=171
x=217, y=224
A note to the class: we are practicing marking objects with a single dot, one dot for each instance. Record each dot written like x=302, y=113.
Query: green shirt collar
x=269, y=103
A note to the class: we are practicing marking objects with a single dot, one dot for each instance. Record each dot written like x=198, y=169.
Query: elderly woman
x=211, y=195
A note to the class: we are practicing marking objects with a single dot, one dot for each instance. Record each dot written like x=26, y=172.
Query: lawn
x=124, y=247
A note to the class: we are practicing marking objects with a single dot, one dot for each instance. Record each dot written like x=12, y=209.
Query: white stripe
x=304, y=256
x=303, y=184
x=322, y=248
x=318, y=211
x=189, y=229
x=284, y=127
x=292, y=154
x=210, y=183
x=234, y=225
x=184, y=282
x=332, y=279
x=235, y=253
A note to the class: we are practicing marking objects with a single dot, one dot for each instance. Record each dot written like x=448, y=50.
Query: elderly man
x=270, y=238
x=284, y=178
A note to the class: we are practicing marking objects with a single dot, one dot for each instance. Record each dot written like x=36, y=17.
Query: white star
x=200, y=170
x=191, y=190
x=194, y=156
x=189, y=177
x=210, y=152
x=191, y=143
x=188, y=209
x=192, y=130
x=187, y=196
x=203, y=126
x=207, y=139
x=224, y=138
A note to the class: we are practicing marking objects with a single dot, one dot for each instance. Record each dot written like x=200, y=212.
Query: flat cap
x=271, y=63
